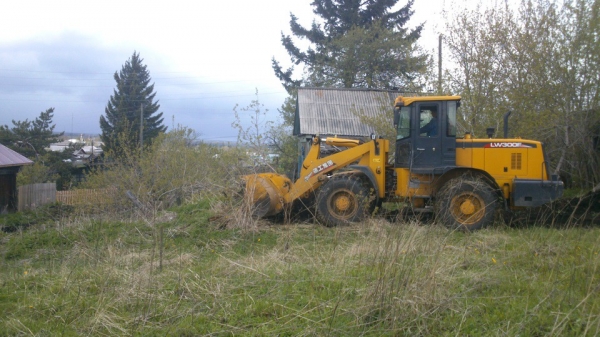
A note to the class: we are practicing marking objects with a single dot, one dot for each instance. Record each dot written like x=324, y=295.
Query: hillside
x=187, y=277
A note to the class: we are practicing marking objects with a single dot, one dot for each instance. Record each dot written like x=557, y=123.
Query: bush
x=170, y=171
x=21, y=220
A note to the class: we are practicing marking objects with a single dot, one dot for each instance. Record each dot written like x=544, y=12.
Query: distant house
x=61, y=146
x=86, y=154
x=10, y=163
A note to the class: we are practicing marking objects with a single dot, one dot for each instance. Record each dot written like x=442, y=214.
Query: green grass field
x=78, y=276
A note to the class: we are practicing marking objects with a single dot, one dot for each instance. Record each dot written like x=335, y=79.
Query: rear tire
x=343, y=200
x=466, y=203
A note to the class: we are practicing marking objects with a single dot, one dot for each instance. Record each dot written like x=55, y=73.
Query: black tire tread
x=336, y=184
x=464, y=185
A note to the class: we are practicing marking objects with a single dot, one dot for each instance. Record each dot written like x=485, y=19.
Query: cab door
x=426, y=137
x=427, y=143
x=404, y=135
x=448, y=133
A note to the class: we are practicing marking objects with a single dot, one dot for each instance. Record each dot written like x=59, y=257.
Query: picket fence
x=35, y=195
x=84, y=196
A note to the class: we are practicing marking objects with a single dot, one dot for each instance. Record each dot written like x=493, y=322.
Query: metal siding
x=9, y=157
x=334, y=111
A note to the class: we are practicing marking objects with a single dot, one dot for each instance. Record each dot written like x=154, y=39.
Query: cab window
x=451, y=119
x=403, y=130
x=428, y=120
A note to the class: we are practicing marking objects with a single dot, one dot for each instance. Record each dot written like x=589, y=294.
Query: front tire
x=466, y=204
x=343, y=200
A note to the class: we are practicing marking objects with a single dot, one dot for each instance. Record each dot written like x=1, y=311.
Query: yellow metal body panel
x=503, y=159
x=406, y=101
x=413, y=185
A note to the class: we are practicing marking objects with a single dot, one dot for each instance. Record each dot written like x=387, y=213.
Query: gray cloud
x=71, y=73
x=74, y=74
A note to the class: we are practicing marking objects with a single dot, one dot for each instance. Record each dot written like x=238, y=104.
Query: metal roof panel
x=331, y=111
x=9, y=158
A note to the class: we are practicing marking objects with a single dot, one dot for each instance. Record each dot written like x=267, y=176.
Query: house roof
x=89, y=149
x=337, y=111
x=9, y=158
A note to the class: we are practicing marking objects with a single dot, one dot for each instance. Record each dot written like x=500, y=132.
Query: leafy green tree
x=356, y=44
x=173, y=168
x=36, y=173
x=133, y=98
x=540, y=60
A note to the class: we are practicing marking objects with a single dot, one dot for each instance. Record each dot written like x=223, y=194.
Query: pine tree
x=357, y=44
x=31, y=138
x=133, y=96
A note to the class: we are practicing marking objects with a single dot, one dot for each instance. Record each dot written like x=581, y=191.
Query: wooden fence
x=35, y=195
x=84, y=196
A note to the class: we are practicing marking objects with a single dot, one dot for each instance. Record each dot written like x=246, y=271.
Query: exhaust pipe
x=506, y=115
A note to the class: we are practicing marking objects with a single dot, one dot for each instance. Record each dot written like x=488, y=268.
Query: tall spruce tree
x=355, y=43
x=133, y=97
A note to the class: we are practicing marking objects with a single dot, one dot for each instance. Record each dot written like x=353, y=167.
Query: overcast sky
x=203, y=56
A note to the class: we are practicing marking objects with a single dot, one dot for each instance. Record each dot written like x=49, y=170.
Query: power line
x=160, y=99
x=85, y=72
x=163, y=87
x=112, y=79
x=110, y=75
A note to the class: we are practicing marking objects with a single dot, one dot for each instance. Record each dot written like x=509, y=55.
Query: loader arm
x=269, y=193
x=372, y=154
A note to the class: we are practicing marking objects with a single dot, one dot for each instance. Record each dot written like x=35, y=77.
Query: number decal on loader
x=326, y=165
x=506, y=145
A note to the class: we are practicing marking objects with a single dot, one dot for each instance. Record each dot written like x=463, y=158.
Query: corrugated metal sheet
x=329, y=111
x=9, y=157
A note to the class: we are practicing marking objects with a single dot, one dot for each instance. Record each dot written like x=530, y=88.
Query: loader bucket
x=265, y=193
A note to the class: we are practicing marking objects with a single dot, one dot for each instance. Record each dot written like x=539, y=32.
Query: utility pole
x=141, y=128
x=440, y=66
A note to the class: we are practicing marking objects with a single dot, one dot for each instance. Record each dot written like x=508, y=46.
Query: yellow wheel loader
x=463, y=181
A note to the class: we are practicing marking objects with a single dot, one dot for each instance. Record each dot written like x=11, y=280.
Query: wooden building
x=10, y=163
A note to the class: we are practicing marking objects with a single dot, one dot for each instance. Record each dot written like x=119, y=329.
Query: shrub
x=173, y=169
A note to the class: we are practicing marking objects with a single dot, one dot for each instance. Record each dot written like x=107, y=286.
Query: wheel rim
x=467, y=208
x=342, y=204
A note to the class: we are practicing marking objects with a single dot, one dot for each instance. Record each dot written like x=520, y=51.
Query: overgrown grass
x=104, y=277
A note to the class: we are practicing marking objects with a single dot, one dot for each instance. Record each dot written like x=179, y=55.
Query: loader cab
x=426, y=133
